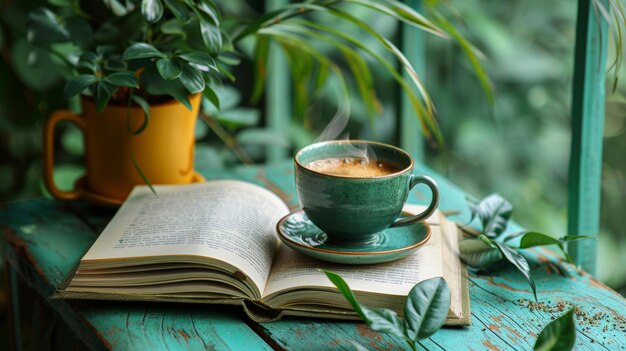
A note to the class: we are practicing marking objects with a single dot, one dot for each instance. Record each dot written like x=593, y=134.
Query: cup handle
x=48, y=152
x=432, y=184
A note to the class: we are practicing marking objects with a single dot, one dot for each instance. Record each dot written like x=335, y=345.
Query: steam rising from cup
x=335, y=128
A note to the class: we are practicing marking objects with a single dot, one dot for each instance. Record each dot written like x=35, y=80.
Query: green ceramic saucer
x=300, y=234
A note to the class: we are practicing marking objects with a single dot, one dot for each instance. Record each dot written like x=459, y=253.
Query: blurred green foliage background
x=519, y=147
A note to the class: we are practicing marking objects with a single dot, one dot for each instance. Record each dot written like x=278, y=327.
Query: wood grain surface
x=44, y=239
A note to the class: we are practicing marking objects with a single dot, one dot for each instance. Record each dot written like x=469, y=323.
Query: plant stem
x=227, y=139
x=469, y=231
x=411, y=344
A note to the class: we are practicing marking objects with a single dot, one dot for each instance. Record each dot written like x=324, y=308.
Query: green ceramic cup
x=351, y=210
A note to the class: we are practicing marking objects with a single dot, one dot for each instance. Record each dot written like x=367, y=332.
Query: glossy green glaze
x=299, y=233
x=352, y=209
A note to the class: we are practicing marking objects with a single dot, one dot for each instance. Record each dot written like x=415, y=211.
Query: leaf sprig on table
x=492, y=246
x=558, y=335
x=427, y=304
x=425, y=310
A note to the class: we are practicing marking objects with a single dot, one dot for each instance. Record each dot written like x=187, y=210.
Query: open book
x=215, y=242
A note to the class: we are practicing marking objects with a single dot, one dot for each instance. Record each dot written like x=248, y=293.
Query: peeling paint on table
x=44, y=239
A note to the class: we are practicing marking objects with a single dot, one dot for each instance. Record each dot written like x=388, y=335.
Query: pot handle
x=48, y=152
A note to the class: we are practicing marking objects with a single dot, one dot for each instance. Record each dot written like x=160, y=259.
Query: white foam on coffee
x=351, y=167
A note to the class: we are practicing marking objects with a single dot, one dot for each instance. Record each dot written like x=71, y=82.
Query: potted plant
x=143, y=67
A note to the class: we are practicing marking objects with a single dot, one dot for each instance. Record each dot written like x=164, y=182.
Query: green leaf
x=268, y=19
x=477, y=254
x=142, y=175
x=1, y=37
x=211, y=97
x=88, y=60
x=558, y=335
x=209, y=8
x=201, y=59
x=105, y=50
x=34, y=66
x=146, y=111
x=156, y=85
x=301, y=70
x=229, y=58
x=363, y=78
x=345, y=290
x=225, y=70
x=512, y=236
x=175, y=27
x=378, y=319
x=301, y=56
x=115, y=65
x=487, y=241
x=261, y=52
x=44, y=26
x=79, y=30
x=116, y=7
x=122, y=79
x=77, y=84
x=472, y=54
x=321, y=77
x=424, y=109
x=211, y=36
x=152, y=10
x=570, y=238
x=519, y=262
x=494, y=213
x=108, y=32
x=192, y=79
x=61, y=3
x=178, y=9
x=102, y=92
x=141, y=50
x=402, y=13
x=426, y=308
x=383, y=321
x=169, y=69
x=532, y=239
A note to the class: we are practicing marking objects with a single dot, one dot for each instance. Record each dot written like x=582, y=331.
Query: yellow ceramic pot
x=164, y=150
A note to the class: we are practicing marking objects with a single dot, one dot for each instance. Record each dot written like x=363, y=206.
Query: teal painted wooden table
x=43, y=240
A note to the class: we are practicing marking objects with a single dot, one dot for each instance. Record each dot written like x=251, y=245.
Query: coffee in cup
x=358, y=167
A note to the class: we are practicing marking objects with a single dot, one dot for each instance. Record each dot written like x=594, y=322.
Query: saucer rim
x=284, y=238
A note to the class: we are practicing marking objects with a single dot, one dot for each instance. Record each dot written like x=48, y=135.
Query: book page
x=292, y=270
x=231, y=221
x=452, y=265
